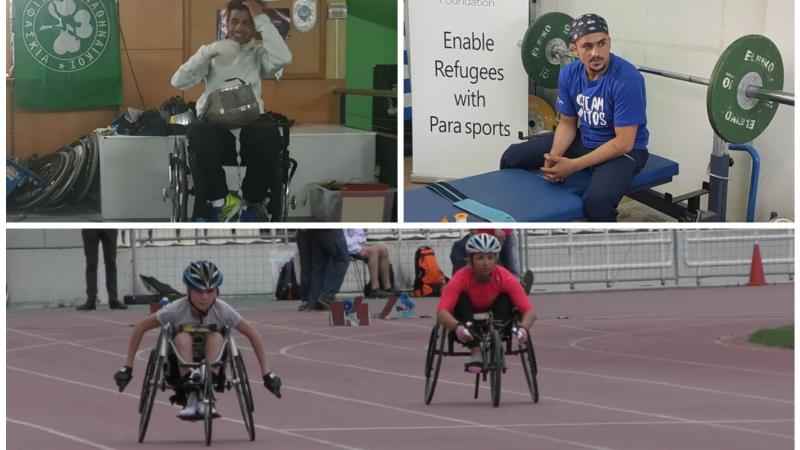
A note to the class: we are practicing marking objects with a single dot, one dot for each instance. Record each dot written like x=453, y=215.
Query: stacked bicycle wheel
x=68, y=173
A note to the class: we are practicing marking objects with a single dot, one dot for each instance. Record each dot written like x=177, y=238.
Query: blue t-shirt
x=616, y=99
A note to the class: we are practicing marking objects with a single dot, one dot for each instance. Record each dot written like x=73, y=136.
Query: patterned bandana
x=587, y=24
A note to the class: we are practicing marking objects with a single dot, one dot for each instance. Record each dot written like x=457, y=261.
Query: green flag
x=66, y=54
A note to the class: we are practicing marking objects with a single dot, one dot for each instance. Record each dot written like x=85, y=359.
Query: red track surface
x=656, y=369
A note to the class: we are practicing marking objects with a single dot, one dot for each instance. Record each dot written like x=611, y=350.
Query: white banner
x=469, y=89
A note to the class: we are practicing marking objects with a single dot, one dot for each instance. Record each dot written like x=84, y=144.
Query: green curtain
x=66, y=54
x=371, y=40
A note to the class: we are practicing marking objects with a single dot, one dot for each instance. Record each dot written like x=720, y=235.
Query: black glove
x=123, y=377
x=273, y=384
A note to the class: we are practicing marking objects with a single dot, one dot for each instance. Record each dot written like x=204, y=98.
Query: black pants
x=330, y=261
x=213, y=146
x=91, y=239
x=502, y=310
x=609, y=180
x=304, y=250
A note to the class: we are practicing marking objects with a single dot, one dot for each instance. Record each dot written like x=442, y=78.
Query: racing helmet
x=483, y=243
x=202, y=275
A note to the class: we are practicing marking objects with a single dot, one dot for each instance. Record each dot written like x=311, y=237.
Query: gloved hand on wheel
x=273, y=384
x=123, y=377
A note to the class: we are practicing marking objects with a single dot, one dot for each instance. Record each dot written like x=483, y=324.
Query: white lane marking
x=284, y=351
x=100, y=319
x=51, y=344
x=575, y=344
x=73, y=344
x=446, y=418
x=539, y=425
x=674, y=385
x=59, y=433
x=136, y=397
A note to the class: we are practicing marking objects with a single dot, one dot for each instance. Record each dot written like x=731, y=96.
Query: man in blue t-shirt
x=606, y=94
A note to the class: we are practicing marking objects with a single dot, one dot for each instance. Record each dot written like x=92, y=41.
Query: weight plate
x=546, y=33
x=541, y=117
x=751, y=59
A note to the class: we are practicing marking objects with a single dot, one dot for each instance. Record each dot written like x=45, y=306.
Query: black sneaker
x=116, y=304
x=303, y=306
x=325, y=303
x=90, y=305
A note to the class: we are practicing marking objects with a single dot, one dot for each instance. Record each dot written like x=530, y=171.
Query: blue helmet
x=202, y=275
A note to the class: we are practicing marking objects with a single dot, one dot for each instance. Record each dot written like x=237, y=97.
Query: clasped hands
x=557, y=168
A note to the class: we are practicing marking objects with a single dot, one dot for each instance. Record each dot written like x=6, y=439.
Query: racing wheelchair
x=180, y=183
x=162, y=373
x=494, y=345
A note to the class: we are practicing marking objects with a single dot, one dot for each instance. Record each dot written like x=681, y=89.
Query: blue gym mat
x=526, y=195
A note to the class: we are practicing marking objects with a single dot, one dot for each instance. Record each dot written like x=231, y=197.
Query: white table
x=134, y=169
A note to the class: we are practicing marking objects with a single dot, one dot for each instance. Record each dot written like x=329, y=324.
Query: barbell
x=744, y=90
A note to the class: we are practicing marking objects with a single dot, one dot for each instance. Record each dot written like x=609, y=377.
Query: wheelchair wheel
x=179, y=184
x=147, y=374
x=528, y=358
x=150, y=384
x=291, y=168
x=431, y=368
x=495, y=366
x=242, y=386
x=208, y=402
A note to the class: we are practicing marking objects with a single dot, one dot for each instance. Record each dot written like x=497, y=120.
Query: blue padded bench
x=526, y=195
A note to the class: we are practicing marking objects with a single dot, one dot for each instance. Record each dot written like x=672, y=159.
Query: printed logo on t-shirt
x=591, y=110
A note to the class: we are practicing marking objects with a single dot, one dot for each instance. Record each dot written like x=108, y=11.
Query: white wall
x=688, y=36
x=47, y=268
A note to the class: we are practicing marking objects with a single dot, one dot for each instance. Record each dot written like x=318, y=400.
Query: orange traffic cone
x=756, y=268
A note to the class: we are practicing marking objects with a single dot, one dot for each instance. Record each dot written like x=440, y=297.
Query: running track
x=655, y=369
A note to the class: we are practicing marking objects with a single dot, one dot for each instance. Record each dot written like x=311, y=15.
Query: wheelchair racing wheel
x=207, y=401
x=152, y=379
x=495, y=353
x=528, y=358
x=241, y=384
x=431, y=370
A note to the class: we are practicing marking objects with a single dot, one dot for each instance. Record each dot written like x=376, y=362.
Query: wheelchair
x=180, y=182
x=494, y=346
x=162, y=373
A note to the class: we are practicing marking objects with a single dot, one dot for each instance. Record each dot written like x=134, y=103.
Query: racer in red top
x=481, y=287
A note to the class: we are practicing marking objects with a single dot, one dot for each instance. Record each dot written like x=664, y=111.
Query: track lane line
x=284, y=351
x=59, y=434
x=136, y=398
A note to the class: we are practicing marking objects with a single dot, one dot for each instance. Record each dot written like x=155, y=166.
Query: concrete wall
x=47, y=268
x=688, y=36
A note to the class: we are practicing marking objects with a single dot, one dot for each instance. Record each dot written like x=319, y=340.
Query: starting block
x=401, y=307
x=352, y=313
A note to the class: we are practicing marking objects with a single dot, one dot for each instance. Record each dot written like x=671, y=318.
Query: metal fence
x=611, y=256
x=248, y=258
x=251, y=259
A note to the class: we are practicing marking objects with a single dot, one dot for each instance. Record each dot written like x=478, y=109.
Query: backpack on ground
x=287, y=287
x=429, y=278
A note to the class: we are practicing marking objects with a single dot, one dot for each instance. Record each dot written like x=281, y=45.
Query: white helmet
x=483, y=243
